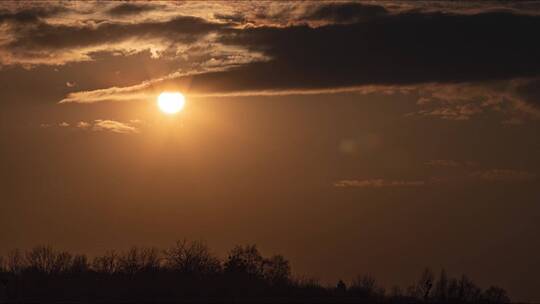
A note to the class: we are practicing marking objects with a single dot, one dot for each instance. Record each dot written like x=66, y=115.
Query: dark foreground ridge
x=189, y=273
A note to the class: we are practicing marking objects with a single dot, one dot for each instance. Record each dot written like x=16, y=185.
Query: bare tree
x=467, y=290
x=341, y=288
x=44, y=259
x=453, y=290
x=412, y=291
x=366, y=286
x=150, y=259
x=496, y=295
x=277, y=270
x=190, y=270
x=107, y=263
x=79, y=264
x=441, y=287
x=191, y=258
x=396, y=292
x=306, y=282
x=245, y=260
x=425, y=284
x=308, y=285
x=137, y=260
x=15, y=261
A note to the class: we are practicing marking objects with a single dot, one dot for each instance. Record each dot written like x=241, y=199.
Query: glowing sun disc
x=171, y=102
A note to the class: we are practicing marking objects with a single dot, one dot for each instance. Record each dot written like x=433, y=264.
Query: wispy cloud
x=377, y=183
x=113, y=126
x=450, y=163
x=100, y=125
x=503, y=175
x=83, y=125
x=453, y=172
x=517, y=99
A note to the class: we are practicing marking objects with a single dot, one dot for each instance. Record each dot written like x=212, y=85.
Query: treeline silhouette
x=188, y=271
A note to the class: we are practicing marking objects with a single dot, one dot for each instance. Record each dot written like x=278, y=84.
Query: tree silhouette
x=188, y=271
x=107, y=263
x=79, y=264
x=425, y=284
x=137, y=260
x=495, y=294
x=45, y=260
x=366, y=287
x=245, y=260
x=396, y=294
x=341, y=288
x=468, y=291
x=15, y=261
x=192, y=258
x=277, y=270
x=441, y=287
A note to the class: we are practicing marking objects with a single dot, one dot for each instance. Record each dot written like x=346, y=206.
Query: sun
x=171, y=102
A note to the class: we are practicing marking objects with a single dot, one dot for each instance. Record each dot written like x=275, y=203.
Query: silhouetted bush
x=189, y=271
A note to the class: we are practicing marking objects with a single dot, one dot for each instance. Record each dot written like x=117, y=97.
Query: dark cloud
x=403, y=49
x=345, y=12
x=530, y=92
x=395, y=49
x=231, y=18
x=126, y=9
x=52, y=36
x=32, y=14
x=364, y=44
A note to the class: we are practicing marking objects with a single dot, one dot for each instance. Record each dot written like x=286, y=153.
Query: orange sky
x=327, y=132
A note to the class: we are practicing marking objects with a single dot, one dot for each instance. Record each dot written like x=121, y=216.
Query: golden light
x=171, y=102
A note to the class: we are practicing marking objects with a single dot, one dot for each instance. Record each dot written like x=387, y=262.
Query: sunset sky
x=353, y=138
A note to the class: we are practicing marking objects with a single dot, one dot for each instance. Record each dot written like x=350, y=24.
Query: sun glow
x=171, y=102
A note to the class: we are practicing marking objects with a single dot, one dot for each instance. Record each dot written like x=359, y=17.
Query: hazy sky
x=354, y=138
